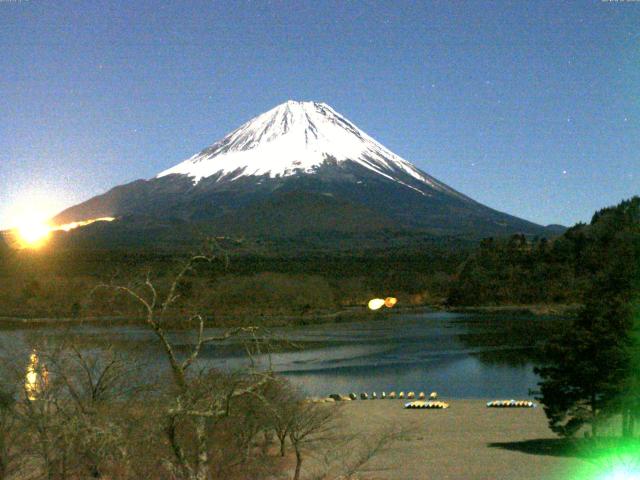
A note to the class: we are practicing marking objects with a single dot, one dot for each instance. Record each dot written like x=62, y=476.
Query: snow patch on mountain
x=297, y=137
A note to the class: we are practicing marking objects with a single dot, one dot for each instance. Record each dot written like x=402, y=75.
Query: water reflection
x=513, y=340
x=36, y=378
x=460, y=356
x=457, y=377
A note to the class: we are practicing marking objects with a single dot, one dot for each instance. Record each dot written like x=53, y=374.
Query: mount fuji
x=300, y=168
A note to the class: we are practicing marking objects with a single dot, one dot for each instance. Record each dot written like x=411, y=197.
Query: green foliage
x=584, y=372
x=56, y=283
x=273, y=292
x=591, y=371
x=517, y=271
x=522, y=271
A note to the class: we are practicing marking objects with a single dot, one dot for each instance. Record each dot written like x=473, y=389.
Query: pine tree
x=593, y=369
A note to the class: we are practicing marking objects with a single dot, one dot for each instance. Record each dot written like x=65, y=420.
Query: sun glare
x=32, y=232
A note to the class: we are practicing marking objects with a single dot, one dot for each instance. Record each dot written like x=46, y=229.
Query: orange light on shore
x=375, y=303
x=378, y=303
x=390, y=301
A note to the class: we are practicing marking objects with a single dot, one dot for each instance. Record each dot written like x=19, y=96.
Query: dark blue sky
x=531, y=107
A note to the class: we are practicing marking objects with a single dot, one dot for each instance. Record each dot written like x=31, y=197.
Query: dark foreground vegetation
x=72, y=412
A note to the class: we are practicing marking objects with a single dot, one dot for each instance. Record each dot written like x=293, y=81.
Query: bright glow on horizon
x=31, y=225
x=33, y=232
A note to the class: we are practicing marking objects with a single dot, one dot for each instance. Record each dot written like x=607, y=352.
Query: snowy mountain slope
x=300, y=167
x=297, y=137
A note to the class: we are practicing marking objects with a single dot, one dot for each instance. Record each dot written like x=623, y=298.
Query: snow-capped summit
x=296, y=137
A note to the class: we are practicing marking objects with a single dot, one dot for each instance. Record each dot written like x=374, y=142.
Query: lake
x=457, y=355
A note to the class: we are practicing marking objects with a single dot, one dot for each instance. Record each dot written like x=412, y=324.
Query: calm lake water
x=458, y=355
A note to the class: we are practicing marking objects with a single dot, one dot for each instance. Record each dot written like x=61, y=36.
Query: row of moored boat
x=384, y=395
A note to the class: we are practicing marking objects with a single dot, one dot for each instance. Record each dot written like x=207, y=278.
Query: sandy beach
x=465, y=441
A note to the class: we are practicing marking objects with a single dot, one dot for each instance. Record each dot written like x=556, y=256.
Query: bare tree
x=43, y=424
x=10, y=458
x=311, y=425
x=194, y=403
x=94, y=384
x=281, y=404
x=368, y=449
x=65, y=409
x=350, y=455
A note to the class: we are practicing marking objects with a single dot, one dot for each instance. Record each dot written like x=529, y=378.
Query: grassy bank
x=532, y=309
x=343, y=315
x=281, y=319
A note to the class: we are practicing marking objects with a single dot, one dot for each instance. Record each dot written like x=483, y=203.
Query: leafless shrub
x=197, y=403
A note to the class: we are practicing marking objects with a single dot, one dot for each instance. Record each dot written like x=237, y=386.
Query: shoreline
x=344, y=315
x=542, y=309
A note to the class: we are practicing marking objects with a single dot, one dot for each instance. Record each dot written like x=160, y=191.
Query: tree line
x=590, y=373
